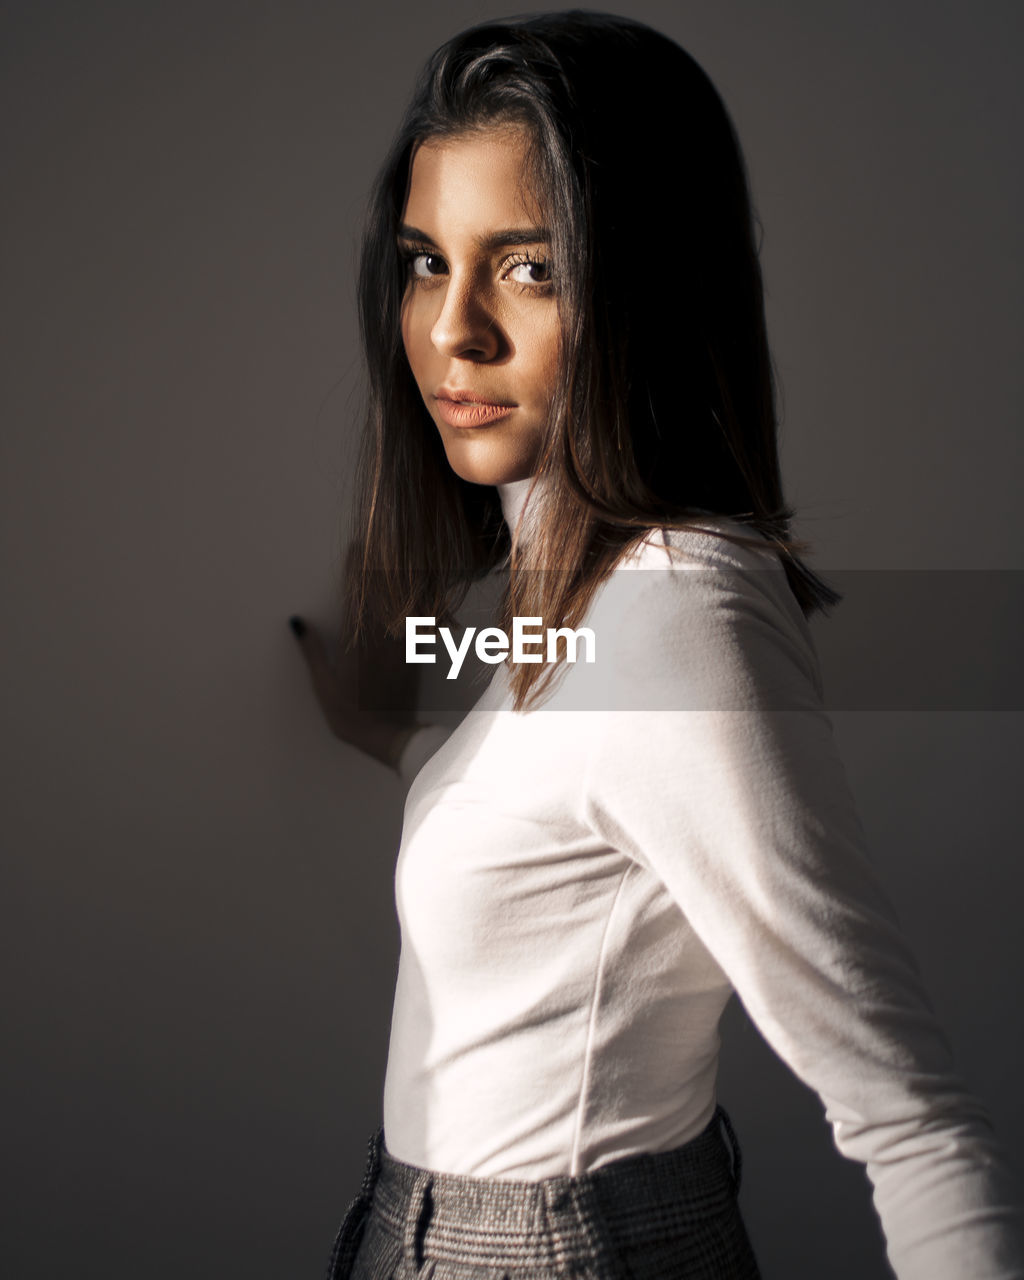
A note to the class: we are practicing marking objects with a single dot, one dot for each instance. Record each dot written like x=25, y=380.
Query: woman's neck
x=513, y=498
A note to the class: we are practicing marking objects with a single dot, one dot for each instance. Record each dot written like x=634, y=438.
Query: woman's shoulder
x=702, y=567
x=688, y=603
x=704, y=544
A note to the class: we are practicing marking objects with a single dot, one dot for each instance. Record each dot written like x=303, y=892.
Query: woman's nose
x=465, y=325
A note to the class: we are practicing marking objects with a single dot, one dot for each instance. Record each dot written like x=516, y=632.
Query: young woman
x=570, y=384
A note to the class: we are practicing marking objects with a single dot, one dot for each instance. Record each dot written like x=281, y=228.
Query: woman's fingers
x=335, y=684
x=328, y=686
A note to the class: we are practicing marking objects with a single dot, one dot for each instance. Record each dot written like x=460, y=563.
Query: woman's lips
x=471, y=413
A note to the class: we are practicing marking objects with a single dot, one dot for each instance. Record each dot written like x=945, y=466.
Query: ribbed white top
x=581, y=887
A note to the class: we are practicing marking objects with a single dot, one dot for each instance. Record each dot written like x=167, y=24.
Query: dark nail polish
x=297, y=625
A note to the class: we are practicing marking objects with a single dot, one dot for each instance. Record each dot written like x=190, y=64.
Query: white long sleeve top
x=581, y=887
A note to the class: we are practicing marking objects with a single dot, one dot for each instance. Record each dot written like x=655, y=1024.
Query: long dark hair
x=665, y=410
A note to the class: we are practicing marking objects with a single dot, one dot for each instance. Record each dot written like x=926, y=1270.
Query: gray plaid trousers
x=670, y=1215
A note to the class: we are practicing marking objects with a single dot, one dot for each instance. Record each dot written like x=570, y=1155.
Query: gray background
x=197, y=923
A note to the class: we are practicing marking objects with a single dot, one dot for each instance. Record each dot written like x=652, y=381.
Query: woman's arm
x=365, y=694
x=735, y=796
x=368, y=697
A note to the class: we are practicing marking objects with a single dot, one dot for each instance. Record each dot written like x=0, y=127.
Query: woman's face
x=479, y=318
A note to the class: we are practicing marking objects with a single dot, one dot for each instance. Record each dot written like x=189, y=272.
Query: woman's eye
x=426, y=265
x=530, y=272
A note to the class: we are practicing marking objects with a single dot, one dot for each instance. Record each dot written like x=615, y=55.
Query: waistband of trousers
x=562, y=1219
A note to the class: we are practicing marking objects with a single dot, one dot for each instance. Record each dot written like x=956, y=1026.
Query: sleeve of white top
x=736, y=797
x=418, y=749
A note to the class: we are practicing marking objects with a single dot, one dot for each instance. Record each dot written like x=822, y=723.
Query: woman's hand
x=367, y=693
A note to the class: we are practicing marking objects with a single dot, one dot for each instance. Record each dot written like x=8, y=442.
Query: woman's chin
x=489, y=471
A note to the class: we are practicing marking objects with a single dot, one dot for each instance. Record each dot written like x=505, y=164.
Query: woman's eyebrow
x=502, y=239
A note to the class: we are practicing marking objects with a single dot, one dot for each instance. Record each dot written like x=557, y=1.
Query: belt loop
x=417, y=1217
x=372, y=1170
x=735, y=1154
x=591, y=1223
x=346, y=1243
